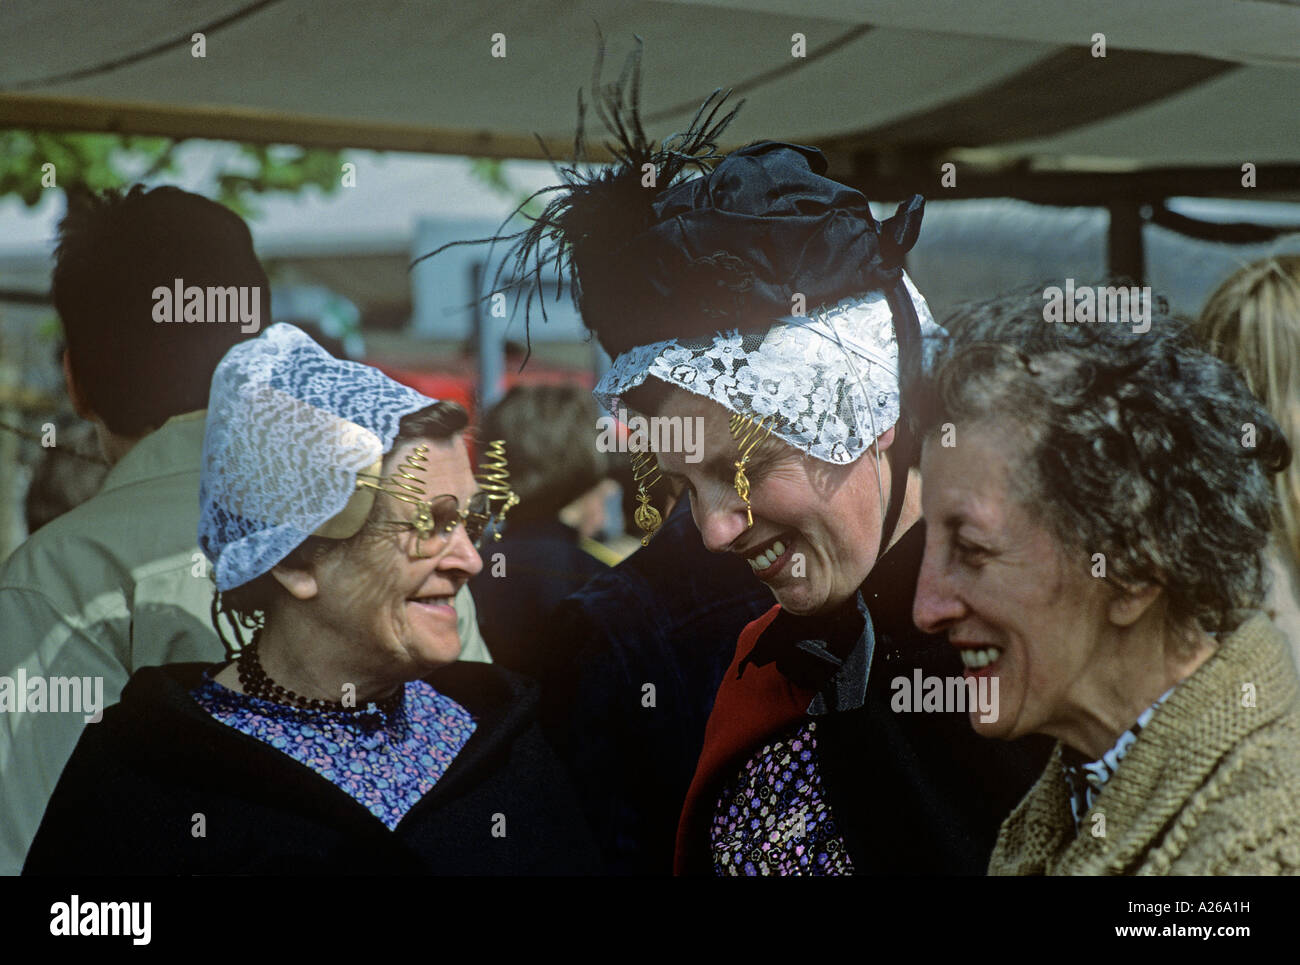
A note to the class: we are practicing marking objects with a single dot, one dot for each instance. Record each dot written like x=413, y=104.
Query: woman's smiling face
x=816, y=529
x=390, y=596
x=1015, y=603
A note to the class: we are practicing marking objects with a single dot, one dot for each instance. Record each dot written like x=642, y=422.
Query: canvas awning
x=1188, y=91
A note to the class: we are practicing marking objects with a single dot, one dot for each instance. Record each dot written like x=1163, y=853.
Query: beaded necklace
x=256, y=683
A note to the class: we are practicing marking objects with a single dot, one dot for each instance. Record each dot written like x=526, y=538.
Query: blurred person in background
x=1095, y=538
x=549, y=548
x=71, y=472
x=66, y=475
x=1252, y=321
x=119, y=583
x=110, y=585
x=633, y=661
x=344, y=736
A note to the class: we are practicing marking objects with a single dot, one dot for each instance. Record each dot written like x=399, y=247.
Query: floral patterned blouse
x=387, y=762
x=772, y=818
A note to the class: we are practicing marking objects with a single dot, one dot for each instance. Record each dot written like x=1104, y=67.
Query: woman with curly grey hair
x=1098, y=503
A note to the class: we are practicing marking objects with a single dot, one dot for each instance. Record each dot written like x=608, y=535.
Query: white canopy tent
x=1184, y=83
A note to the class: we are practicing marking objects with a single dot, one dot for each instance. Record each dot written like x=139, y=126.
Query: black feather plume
x=595, y=210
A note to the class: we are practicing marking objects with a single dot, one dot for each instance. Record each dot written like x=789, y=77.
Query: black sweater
x=129, y=800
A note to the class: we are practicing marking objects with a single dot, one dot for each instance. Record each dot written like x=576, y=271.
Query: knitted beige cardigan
x=1212, y=785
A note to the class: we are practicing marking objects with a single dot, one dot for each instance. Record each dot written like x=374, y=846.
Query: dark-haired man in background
x=548, y=549
x=152, y=287
x=117, y=582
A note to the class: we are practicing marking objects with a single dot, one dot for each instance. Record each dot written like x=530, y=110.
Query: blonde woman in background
x=1252, y=321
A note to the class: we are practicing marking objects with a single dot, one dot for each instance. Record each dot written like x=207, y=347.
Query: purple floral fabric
x=387, y=762
x=773, y=819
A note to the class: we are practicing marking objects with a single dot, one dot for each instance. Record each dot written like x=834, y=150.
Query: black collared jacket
x=129, y=800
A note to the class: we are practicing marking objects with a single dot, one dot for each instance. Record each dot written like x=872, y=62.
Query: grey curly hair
x=1139, y=447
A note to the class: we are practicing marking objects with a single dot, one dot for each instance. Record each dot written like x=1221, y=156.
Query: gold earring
x=748, y=434
x=645, y=473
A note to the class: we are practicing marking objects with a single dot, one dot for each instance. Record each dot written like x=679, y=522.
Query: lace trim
x=830, y=378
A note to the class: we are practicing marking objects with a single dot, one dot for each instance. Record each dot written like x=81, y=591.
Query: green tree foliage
x=492, y=172
x=264, y=169
x=102, y=161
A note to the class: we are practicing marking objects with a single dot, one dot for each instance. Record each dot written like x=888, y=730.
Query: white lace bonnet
x=289, y=428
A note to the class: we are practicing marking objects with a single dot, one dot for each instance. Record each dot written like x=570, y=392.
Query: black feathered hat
x=735, y=248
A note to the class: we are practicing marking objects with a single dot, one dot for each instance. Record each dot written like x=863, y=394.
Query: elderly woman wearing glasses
x=1098, y=503
x=341, y=515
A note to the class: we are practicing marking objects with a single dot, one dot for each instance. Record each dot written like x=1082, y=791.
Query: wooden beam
x=880, y=174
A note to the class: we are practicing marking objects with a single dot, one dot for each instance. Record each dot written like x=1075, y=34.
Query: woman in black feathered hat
x=762, y=301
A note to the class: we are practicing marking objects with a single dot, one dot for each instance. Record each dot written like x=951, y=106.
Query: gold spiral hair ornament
x=405, y=485
x=494, y=482
x=748, y=433
x=645, y=473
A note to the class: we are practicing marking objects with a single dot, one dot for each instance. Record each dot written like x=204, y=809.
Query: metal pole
x=490, y=342
x=1125, y=257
